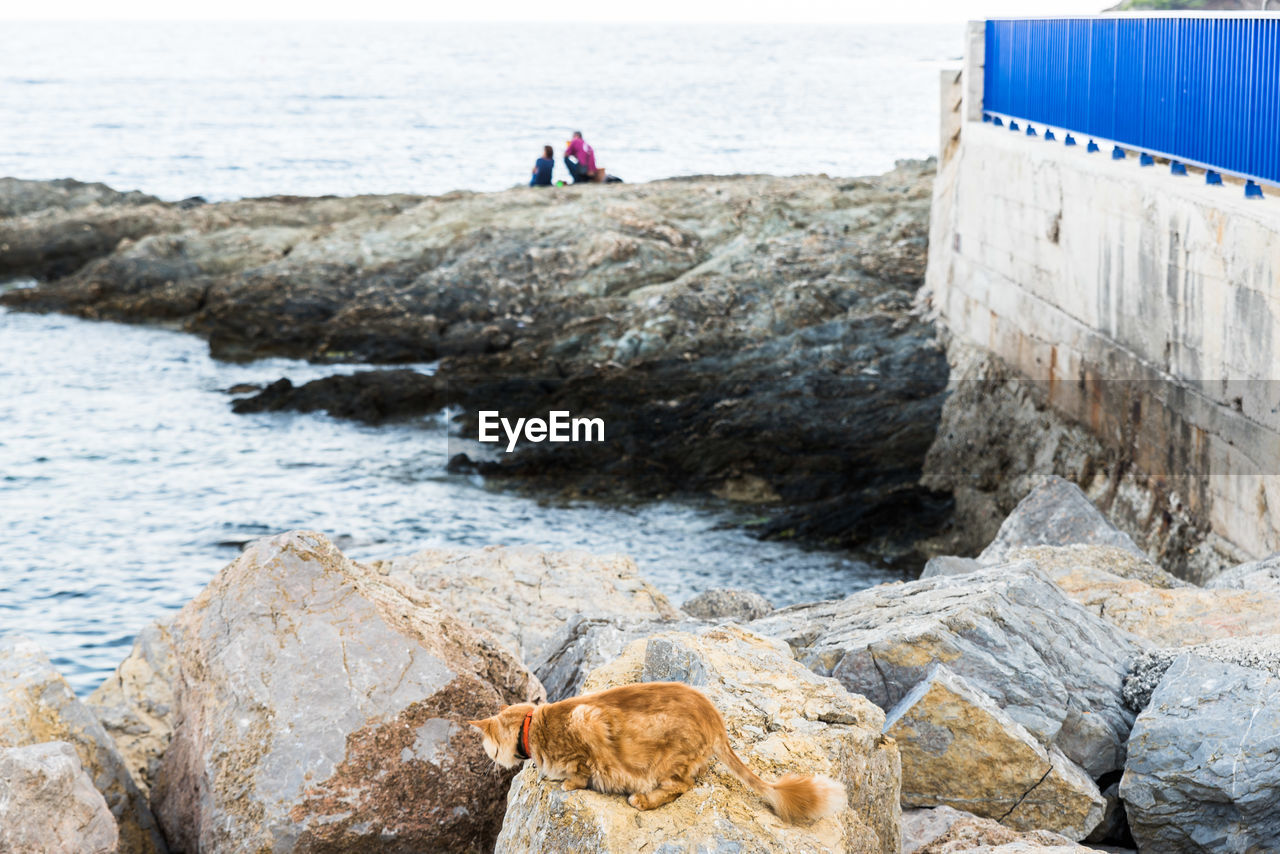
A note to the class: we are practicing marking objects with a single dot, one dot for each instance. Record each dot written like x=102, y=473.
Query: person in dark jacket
x=542, y=168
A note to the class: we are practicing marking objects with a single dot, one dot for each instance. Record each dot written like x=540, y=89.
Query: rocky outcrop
x=748, y=337
x=727, y=604
x=320, y=706
x=1204, y=761
x=960, y=750
x=1146, y=671
x=48, y=804
x=1055, y=513
x=1051, y=665
x=781, y=718
x=944, y=830
x=135, y=703
x=1261, y=575
x=523, y=596
x=1061, y=562
x=37, y=706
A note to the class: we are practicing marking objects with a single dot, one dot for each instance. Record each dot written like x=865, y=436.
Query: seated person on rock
x=580, y=159
x=542, y=168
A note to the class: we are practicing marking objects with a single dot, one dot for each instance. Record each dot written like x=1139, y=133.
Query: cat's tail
x=793, y=797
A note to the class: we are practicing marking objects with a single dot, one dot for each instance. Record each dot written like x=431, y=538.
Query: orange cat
x=648, y=741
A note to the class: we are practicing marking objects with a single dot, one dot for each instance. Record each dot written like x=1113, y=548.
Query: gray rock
x=949, y=565
x=37, y=705
x=135, y=703
x=523, y=596
x=944, y=830
x=1053, y=666
x=1114, y=827
x=322, y=707
x=586, y=643
x=727, y=604
x=48, y=804
x=1055, y=513
x=1257, y=575
x=1203, y=773
x=1147, y=669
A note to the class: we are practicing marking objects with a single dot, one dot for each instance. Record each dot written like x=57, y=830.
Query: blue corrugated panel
x=1200, y=89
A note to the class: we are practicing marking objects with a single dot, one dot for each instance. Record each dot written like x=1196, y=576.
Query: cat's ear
x=483, y=725
x=503, y=708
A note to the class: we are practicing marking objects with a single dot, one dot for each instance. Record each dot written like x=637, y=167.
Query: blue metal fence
x=1197, y=89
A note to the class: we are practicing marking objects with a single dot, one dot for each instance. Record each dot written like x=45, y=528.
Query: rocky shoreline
x=1039, y=698
x=749, y=338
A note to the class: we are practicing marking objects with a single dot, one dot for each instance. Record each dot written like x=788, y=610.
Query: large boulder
x=1204, y=761
x=1055, y=513
x=48, y=804
x=1053, y=666
x=37, y=705
x=961, y=750
x=522, y=596
x=1146, y=671
x=135, y=703
x=1262, y=575
x=944, y=830
x=319, y=706
x=781, y=718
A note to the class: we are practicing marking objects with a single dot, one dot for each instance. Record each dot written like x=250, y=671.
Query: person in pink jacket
x=580, y=158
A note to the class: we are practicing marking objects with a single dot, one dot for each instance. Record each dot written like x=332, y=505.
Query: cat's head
x=501, y=733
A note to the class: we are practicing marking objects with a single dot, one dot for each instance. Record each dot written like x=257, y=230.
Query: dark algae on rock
x=746, y=337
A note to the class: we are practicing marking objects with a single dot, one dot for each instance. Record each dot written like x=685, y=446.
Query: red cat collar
x=522, y=744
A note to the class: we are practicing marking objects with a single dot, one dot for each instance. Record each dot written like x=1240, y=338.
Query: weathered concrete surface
x=781, y=718
x=727, y=604
x=1141, y=308
x=1258, y=653
x=522, y=596
x=48, y=804
x=37, y=705
x=960, y=750
x=1055, y=513
x=1053, y=666
x=1262, y=575
x=944, y=830
x=321, y=707
x=1203, y=773
x=135, y=703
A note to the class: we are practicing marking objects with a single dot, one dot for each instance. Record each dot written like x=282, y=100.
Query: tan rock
x=959, y=749
x=48, y=804
x=522, y=596
x=37, y=705
x=1169, y=616
x=781, y=718
x=321, y=707
x=950, y=831
x=135, y=703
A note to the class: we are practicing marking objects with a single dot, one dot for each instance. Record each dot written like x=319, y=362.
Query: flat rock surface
x=960, y=750
x=781, y=718
x=321, y=707
x=1262, y=575
x=37, y=705
x=522, y=596
x=48, y=804
x=1204, y=761
x=1051, y=665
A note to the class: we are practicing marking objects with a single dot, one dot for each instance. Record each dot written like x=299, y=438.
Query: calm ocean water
x=226, y=110
x=125, y=480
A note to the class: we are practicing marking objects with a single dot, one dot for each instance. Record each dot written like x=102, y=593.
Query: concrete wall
x=1147, y=305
